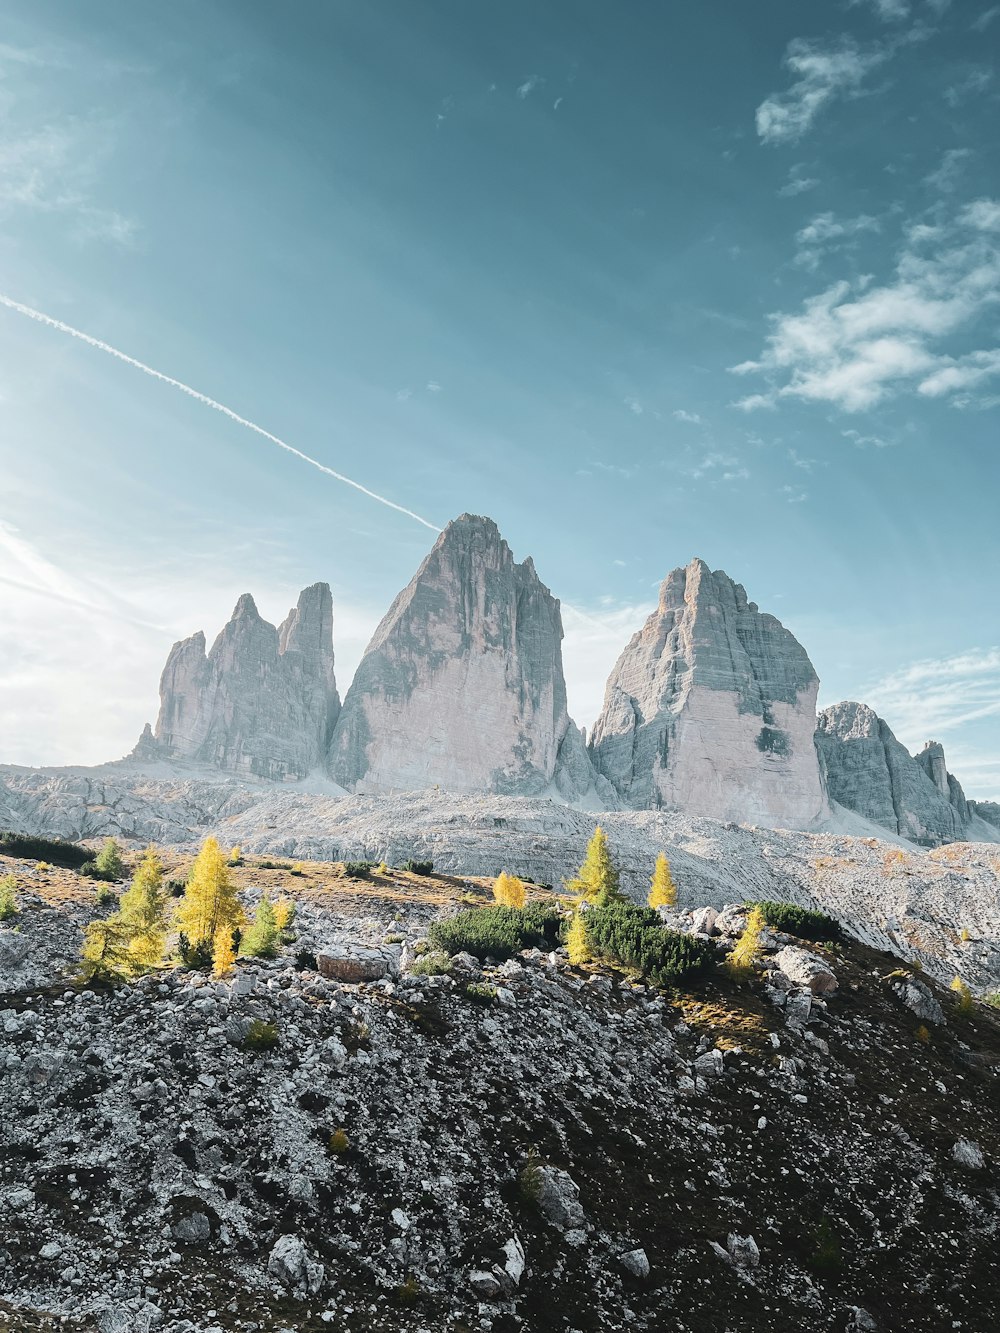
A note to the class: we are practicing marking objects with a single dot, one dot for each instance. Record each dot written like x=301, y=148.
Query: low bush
x=433, y=964
x=497, y=932
x=633, y=937
x=359, y=869
x=106, y=896
x=801, y=921
x=418, y=867
x=338, y=1142
x=273, y=865
x=261, y=1036
x=66, y=854
x=91, y=870
x=480, y=992
x=176, y=887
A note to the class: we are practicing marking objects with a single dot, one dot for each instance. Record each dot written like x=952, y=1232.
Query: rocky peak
x=711, y=708
x=462, y=684
x=262, y=702
x=870, y=772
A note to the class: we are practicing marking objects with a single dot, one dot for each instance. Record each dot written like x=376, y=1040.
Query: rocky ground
x=940, y=907
x=519, y=1147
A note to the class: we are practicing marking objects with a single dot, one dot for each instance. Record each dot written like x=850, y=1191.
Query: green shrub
x=433, y=964
x=196, y=956
x=633, y=937
x=176, y=887
x=59, y=853
x=9, y=906
x=359, y=869
x=273, y=865
x=418, y=867
x=261, y=1036
x=498, y=932
x=481, y=992
x=801, y=921
x=106, y=897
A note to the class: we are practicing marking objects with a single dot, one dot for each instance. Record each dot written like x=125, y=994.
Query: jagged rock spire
x=711, y=708
x=462, y=684
x=262, y=702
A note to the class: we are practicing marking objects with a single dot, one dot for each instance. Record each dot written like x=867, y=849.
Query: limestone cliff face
x=462, y=684
x=711, y=709
x=262, y=702
x=870, y=772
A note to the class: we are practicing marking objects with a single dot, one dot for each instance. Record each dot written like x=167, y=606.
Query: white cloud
x=866, y=441
x=983, y=214
x=826, y=233
x=891, y=11
x=725, y=467
x=682, y=414
x=855, y=344
x=634, y=406
x=80, y=666
x=823, y=75
x=794, y=495
x=593, y=643
x=526, y=88
x=976, y=81
x=984, y=20
x=930, y=699
x=797, y=183
x=946, y=175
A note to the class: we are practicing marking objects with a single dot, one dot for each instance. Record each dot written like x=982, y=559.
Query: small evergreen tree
x=9, y=906
x=577, y=945
x=223, y=952
x=210, y=903
x=261, y=939
x=662, y=889
x=508, y=890
x=597, y=879
x=741, y=961
x=964, y=995
x=109, y=860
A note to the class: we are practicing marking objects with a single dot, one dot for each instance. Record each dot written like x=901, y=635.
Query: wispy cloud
x=823, y=74
x=794, y=495
x=983, y=21
x=826, y=233
x=693, y=418
x=856, y=343
x=891, y=11
x=526, y=88
x=935, y=697
x=976, y=81
x=634, y=406
x=593, y=643
x=719, y=467
x=797, y=183
x=946, y=175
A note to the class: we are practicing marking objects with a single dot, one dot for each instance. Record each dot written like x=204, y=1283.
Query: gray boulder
x=558, y=1198
x=919, y=999
x=291, y=1264
x=806, y=970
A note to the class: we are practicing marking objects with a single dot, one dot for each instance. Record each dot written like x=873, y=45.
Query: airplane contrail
x=58, y=324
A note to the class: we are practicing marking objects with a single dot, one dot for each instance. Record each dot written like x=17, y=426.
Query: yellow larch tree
x=597, y=879
x=142, y=909
x=740, y=962
x=210, y=904
x=223, y=952
x=964, y=995
x=284, y=911
x=508, y=890
x=662, y=889
x=576, y=940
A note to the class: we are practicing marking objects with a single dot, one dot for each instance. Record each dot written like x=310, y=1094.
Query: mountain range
x=710, y=709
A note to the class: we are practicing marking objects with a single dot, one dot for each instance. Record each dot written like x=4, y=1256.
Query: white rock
x=635, y=1262
x=967, y=1153
x=806, y=969
x=291, y=1264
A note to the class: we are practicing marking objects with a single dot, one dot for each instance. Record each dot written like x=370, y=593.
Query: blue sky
x=641, y=281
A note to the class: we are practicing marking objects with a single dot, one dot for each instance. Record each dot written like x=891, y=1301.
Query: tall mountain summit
x=262, y=702
x=712, y=708
x=462, y=685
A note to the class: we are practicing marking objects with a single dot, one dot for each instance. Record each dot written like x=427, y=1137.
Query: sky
x=641, y=281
